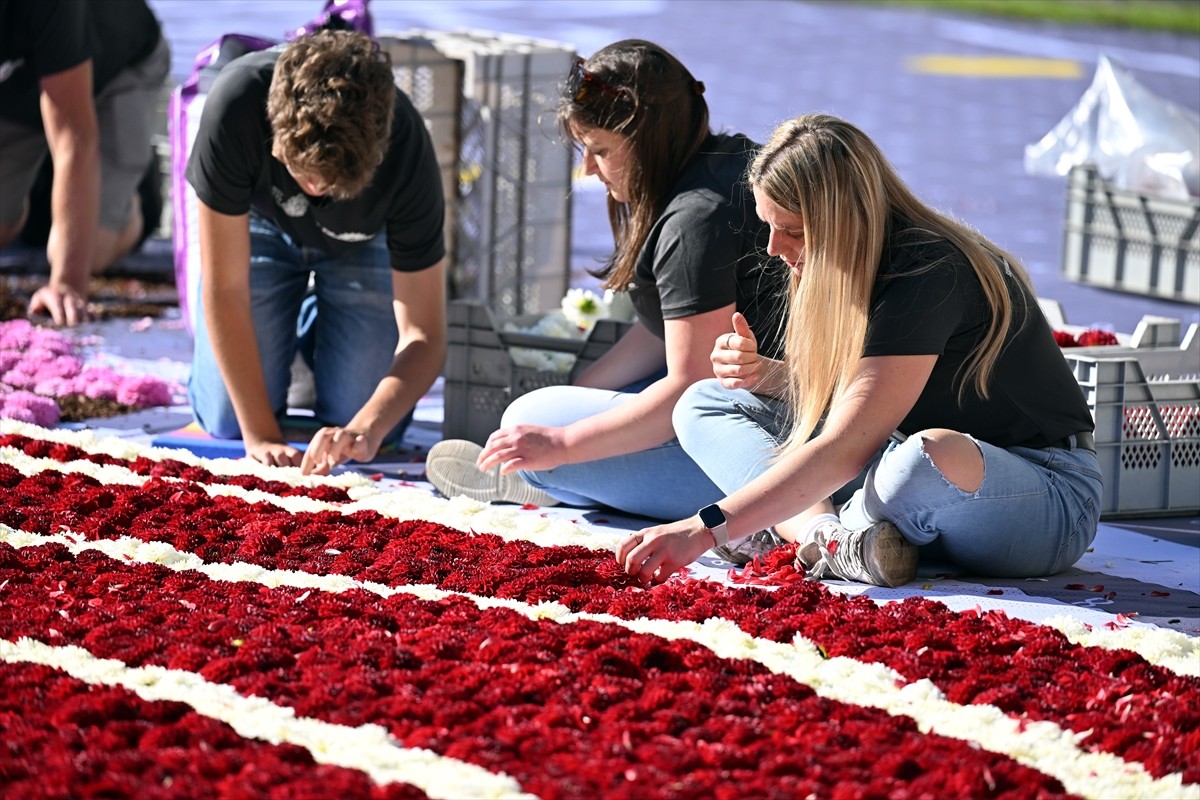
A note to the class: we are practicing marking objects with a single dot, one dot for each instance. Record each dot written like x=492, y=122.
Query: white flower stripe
x=368, y=748
x=401, y=503
x=1165, y=648
x=1043, y=745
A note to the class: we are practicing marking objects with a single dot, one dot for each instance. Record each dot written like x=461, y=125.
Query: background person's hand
x=530, y=447
x=735, y=359
x=274, y=454
x=654, y=554
x=333, y=446
x=63, y=303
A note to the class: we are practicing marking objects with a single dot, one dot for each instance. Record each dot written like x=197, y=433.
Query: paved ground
x=958, y=139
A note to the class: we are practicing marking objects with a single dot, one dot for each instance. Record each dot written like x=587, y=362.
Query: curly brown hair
x=330, y=104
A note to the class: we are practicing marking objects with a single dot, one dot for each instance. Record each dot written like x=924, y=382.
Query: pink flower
x=29, y=407
x=98, y=382
x=143, y=391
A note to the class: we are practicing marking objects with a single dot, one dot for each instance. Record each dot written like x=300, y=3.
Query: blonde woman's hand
x=735, y=359
x=654, y=554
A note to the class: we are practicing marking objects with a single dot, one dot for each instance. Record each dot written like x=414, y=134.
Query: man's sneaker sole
x=889, y=558
x=450, y=467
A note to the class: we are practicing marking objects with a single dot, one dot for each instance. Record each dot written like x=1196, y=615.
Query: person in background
x=918, y=329
x=310, y=164
x=81, y=81
x=688, y=250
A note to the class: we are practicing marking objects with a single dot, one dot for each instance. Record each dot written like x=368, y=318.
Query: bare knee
x=956, y=456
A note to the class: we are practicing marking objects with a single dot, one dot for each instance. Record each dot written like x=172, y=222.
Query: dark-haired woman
x=690, y=252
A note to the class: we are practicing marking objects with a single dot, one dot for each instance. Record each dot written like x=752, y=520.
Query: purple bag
x=183, y=119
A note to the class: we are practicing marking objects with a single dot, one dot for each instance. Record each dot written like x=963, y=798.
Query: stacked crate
x=511, y=226
x=1145, y=399
x=1120, y=239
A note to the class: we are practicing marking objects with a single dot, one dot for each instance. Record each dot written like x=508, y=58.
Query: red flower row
x=66, y=739
x=1025, y=669
x=584, y=709
x=168, y=468
x=1089, y=338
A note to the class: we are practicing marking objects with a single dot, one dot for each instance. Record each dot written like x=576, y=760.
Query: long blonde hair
x=836, y=179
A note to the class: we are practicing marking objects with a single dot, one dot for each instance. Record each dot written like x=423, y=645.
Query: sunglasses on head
x=582, y=84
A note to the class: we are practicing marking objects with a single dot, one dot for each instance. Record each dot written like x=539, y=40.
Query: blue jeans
x=1035, y=513
x=660, y=483
x=350, y=343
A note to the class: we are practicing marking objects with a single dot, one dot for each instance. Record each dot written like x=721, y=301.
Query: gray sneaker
x=450, y=467
x=878, y=555
x=748, y=548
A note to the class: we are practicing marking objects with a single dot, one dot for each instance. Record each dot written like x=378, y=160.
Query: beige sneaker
x=878, y=555
x=450, y=467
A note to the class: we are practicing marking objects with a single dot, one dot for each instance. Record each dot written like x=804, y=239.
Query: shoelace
x=843, y=560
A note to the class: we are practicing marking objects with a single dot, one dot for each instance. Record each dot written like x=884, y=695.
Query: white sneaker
x=450, y=467
x=878, y=555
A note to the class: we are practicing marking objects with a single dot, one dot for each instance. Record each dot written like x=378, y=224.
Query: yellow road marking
x=995, y=66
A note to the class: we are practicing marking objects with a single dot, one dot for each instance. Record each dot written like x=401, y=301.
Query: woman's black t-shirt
x=929, y=301
x=709, y=249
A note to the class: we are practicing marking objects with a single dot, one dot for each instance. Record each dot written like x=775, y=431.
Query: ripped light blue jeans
x=1035, y=513
x=350, y=344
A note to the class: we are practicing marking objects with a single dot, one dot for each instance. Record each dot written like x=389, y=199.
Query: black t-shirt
x=232, y=170
x=709, y=249
x=928, y=300
x=43, y=37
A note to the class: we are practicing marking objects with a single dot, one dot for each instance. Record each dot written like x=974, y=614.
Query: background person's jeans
x=349, y=345
x=660, y=483
x=1035, y=513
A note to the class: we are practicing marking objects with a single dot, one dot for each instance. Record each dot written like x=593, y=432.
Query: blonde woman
x=916, y=329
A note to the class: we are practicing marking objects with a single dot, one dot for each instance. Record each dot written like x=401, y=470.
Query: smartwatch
x=714, y=519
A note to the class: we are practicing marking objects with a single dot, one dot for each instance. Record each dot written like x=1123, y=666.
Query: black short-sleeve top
x=44, y=37
x=928, y=300
x=709, y=249
x=232, y=170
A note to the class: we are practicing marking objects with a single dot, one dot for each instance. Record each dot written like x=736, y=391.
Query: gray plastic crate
x=512, y=197
x=433, y=82
x=481, y=376
x=1119, y=239
x=1145, y=400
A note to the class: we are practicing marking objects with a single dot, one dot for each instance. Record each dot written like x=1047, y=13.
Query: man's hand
x=654, y=554
x=333, y=446
x=64, y=304
x=274, y=454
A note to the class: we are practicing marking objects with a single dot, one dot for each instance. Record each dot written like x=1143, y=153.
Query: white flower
x=583, y=307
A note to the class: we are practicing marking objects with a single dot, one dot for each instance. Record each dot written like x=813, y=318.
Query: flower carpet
x=172, y=626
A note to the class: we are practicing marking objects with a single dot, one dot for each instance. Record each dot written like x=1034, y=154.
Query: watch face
x=712, y=516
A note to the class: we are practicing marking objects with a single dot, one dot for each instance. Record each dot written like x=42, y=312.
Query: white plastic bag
x=1136, y=140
